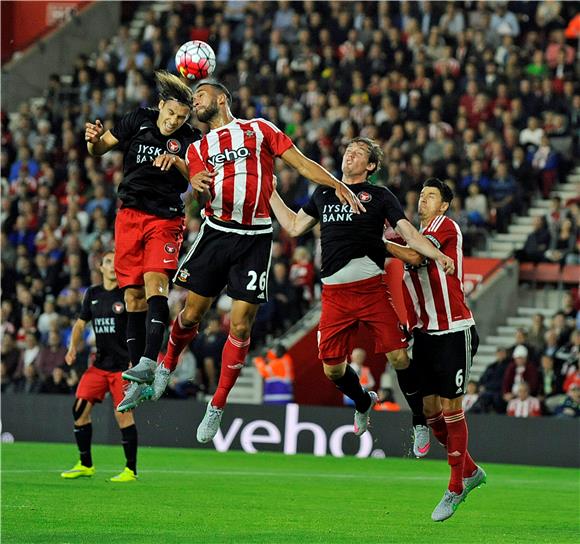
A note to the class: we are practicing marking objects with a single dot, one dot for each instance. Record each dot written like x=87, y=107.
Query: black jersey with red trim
x=146, y=187
x=346, y=235
x=106, y=311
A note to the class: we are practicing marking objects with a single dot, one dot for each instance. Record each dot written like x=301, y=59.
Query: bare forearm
x=98, y=149
x=420, y=244
x=416, y=241
x=316, y=173
x=405, y=254
x=77, y=334
x=285, y=216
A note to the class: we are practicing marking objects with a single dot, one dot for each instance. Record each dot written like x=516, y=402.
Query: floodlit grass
x=191, y=496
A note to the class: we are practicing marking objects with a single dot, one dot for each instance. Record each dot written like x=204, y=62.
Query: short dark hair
x=214, y=83
x=170, y=87
x=444, y=189
x=376, y=154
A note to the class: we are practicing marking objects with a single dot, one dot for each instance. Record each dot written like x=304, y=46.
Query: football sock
x=129, y=441
x=408, y=379
x=157, y=319
x=136, y=332
x=179, y=337
x=83, y=436
x=456, y=447
x=439, y=428
x=233, y=358
x=349, y=385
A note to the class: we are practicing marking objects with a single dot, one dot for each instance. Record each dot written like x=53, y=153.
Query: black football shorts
x=444, y=361
x=219, y=258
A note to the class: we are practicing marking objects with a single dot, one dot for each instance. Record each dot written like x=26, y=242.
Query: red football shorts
x=95, y=383
x=346, y=305
x=145, y=243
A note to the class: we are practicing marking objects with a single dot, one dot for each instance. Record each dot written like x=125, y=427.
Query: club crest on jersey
x=229, y=155
x=363, y=196
x=173, y=146
x=183, y=275
x=170, y=248
x=118, y=307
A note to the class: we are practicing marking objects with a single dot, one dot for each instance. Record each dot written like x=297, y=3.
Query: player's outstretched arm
x=99, y=141
x=404, y=253
x=419, y=243
x=75, y=341
x=316, y=173
x=294, y=223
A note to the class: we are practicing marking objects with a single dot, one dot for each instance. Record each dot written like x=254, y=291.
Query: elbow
x=416, y=259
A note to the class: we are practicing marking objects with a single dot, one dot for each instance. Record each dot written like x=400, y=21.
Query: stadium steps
x=505, y=334
x=138, y=21
x=502, y=246
x=248, y=388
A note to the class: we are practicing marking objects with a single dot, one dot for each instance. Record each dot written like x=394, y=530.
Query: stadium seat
x=571, y=274
x=541, y=273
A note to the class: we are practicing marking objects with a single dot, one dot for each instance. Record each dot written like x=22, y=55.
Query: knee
x=241, y=329
x=135, y=300
x=399, y=359
x=431, y=406
x=81, y=415
x=124, y=419
x=191, y=315
x=334, y=371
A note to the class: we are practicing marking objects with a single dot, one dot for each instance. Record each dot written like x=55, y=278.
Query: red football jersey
x=435, y=301
x=242, y=153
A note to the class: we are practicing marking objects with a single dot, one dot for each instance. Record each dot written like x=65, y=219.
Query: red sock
x=439, y=428
x=233, y=357
x=456, y=447
x=178, y=339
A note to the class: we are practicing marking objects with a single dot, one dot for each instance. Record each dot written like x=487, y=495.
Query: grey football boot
x=135, y=394
x=143, y=372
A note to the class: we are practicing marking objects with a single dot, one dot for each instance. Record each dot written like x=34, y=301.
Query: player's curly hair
x=444, y=189
x=170, y=87
x=376, y=154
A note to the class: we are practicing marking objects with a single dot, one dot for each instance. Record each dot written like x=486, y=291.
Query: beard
x=208, y=113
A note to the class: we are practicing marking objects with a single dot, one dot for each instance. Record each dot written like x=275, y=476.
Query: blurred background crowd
x=482, y=94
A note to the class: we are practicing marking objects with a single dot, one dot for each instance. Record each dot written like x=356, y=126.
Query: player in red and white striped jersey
x=234, y=166
x=444, y=339
x=436, y=301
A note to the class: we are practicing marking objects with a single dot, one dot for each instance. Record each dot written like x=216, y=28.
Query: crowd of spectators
x=484, y=95
x=556, y=236
x=539, y=374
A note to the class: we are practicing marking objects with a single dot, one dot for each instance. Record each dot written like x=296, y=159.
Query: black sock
x=157, y=321
x=410, y=386
x=350, y=385
x=129, y=441
x=83, y=436
x=136, y=332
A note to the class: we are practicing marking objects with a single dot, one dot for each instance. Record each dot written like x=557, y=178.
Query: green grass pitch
x=191, y=496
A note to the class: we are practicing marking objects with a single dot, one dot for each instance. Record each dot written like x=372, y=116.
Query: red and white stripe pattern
x=435, y=301
x=242, y=154
x=454, y=417
x=239, y=343
x=529, y=407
